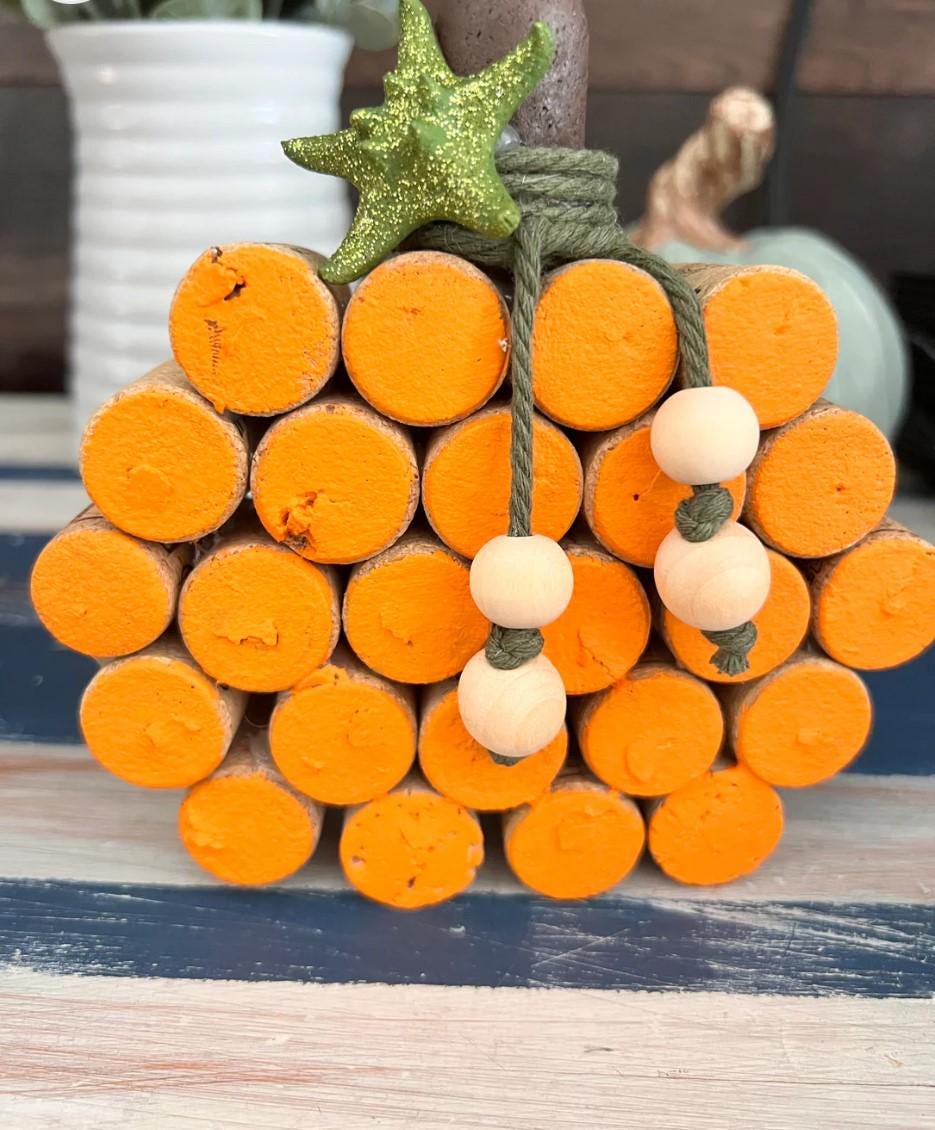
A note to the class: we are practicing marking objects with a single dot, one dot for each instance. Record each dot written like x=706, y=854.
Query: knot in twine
x=699, y=517
x=733, y=647
x=567, y=200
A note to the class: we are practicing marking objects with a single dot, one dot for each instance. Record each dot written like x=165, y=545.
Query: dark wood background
x=862, y=161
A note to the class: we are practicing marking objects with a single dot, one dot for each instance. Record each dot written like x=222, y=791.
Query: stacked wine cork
x=290, y=507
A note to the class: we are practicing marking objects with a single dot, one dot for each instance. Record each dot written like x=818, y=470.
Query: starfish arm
x=495, y=214
x=332, y=153
x=371, y=237
x=418, y=47
x=503, y=86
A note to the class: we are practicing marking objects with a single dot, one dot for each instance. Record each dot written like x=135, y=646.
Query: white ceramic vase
x=177, y=129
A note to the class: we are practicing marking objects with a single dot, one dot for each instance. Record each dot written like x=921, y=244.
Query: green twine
x=567, y=202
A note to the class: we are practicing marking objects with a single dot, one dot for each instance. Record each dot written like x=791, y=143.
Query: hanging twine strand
x=567, y=200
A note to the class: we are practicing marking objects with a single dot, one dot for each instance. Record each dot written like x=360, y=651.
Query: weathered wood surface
x=65, y=819
x=855, y=47
x=94, y=1052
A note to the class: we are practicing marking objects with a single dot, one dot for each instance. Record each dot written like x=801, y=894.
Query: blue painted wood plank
x=796, y=948
x=64, y=473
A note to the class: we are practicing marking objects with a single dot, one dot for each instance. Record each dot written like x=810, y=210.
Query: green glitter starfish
x=428, y=152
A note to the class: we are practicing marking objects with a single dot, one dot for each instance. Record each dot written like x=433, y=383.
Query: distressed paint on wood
x=209, y=933
x=861, y=838
x=92, y=1052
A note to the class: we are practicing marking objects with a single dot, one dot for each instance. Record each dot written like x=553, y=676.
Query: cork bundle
x=275, y=573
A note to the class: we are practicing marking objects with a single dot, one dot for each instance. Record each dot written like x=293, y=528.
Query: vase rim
x=168, y=29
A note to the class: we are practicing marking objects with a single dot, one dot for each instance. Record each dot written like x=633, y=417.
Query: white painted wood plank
x=30, y=507
x=858, y=838
x=92, y=1052
x=36, y=431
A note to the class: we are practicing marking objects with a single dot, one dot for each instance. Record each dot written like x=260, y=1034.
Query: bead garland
x=566, y=199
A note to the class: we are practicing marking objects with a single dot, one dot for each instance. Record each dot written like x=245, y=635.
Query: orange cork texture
x=245, y=825
x=719, y=827
x=781, y=624
x=255, y=328
x=575, y=841
x=874, y=604
x=604, y=630
x=102, y=592
x=460, y=768
x=466, y=482
x=344, y=735
x=800, y=724
x=155, y=720
x=256, y=616
x=411, y=848
x=160, y=463
x=820, y=483
x=772, y=336
x=426, y=338
x=335, y=482
x=629, y=503
x=652, y=731
x=408, y=613
x=604, y=344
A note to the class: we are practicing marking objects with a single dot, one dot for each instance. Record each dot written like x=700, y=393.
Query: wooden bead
x=522, y=582
x=512, y=713
x=713, y=585
x=704, y=435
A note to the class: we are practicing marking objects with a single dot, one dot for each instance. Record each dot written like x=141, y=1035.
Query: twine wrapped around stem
x=567, y=201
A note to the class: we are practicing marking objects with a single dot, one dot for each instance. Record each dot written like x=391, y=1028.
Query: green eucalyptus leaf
x=332, y=11
x=207, y=10
x=374, y=24
x=47, y=14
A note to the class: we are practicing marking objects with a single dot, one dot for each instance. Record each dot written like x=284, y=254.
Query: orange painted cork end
x=719, y=827
x=574, y=842
x=802, y=723
x=629, y=503
x=781, y=624
x=245, y=825
x=820, y=483
x=604, y=345
x=160, y=463
x=874, y=605
x=466, y=481
x=408, y=613
x=460, y=768
x=772, y=336
x=258, y=617
x=604, y=630
x=233, y=301
x=335, y=481
x=343, y=736
x=426, y=338
x=411, y=848
x=652, y=731
x=102, y=592
x=156, y=721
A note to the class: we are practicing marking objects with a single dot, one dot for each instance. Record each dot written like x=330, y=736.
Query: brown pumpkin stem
x=473, y=33
x=722, y=160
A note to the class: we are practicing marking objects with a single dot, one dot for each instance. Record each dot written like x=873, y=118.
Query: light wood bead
x=704, y=435
x=521, y=582
x=713, y=585
x=512, y=713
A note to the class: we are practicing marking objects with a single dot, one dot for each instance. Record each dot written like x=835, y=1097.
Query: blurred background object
x=857, y=166
x=721, y=161
x=178, y=108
